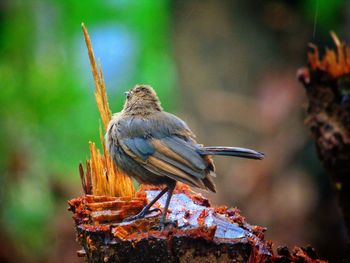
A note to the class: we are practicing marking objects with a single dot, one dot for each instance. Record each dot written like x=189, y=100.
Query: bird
x=158, y=148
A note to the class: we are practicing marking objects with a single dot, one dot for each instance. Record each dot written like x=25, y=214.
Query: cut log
x=199, y=233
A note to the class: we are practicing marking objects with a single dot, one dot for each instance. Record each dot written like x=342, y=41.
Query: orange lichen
x=335, y=62
x=102, y=176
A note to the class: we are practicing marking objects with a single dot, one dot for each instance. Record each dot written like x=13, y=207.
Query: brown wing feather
x=175, y=173
x=163, y=149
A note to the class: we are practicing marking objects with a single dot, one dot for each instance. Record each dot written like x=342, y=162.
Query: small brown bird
x=156, y=147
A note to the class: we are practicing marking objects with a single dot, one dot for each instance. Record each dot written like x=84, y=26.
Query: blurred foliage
x=47, y=108
x=323, y=14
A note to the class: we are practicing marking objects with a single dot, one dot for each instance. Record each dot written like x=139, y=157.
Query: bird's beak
x=127, y=94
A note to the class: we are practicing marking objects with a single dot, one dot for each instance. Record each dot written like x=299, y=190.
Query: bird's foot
x=142, y=214
x=163, y=223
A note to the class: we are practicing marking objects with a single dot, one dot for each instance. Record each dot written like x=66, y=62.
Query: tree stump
x=200, y=233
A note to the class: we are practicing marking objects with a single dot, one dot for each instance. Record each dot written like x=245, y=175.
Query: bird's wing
x=169, y=156
x=163, y=145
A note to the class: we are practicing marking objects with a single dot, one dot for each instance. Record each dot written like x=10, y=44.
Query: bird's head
x=142, y=99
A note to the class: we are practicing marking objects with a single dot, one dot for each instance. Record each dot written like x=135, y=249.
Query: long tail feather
x=233, y=151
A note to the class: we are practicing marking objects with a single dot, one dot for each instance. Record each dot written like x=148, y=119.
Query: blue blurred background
x=226, y=67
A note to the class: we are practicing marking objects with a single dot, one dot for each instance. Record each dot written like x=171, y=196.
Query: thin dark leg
x=168, y=198
x=146, y=209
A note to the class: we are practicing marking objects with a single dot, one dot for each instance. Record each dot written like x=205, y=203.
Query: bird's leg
x=146, y=210
x=163, y=220
x=168, y=198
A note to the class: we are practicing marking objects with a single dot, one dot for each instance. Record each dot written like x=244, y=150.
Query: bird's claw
x=162, y=224
x=142, y=214
x=155, y=210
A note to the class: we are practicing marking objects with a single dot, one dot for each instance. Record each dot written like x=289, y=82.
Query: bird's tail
x=233, y=151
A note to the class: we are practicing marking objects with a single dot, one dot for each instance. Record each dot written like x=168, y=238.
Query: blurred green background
x=226, y=67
